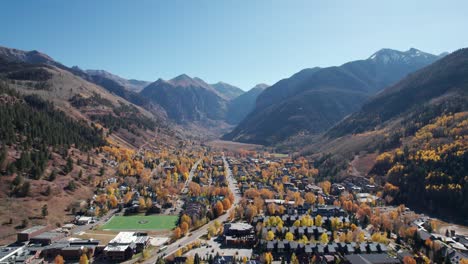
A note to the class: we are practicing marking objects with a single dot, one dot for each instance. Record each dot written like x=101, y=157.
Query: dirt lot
x=29, y=208
x=443, y=226
x=232, y=146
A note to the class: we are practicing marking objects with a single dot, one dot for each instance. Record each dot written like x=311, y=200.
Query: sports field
x=141, y=222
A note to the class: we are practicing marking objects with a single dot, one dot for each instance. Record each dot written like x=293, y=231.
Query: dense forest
x=34, y=128
x=429, y=170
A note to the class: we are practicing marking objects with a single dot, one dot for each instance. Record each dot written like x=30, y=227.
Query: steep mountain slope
x=313, y=100
x=187, y=99
x=130, y=85
x=76, y=96
x=446, y=77
x=417, y=131
x=242, y=105
x=54, y=122
x=34, y=56
x=38, y=147
x=110, y=82
x=119, y=87
x=228, y=91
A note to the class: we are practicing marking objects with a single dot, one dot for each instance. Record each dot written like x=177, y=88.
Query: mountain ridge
x=242, y=105
x=187, y=99
x=229, y=91
x=284, y=109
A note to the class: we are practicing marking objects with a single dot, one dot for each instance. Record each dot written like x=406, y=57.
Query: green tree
x=3, y=155
x=71, y=185
x=69, y=165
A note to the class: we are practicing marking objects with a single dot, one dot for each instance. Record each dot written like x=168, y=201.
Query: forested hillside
x=418, y=132
x=34, y=129
x=430, y=171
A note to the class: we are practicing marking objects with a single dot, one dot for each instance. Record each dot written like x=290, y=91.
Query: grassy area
x=141, y=222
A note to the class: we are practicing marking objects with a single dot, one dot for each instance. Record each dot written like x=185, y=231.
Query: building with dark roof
x=371, y=259
x=224, y=260
x=47, y=238
x=27, y=234
x=239, y=234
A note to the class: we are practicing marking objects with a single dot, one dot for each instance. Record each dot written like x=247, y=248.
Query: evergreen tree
x=196, y=259
x=3, y=155
x=69, y=165
x=71, y=185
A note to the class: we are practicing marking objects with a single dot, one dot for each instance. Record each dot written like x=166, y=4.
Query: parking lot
x=213, y=247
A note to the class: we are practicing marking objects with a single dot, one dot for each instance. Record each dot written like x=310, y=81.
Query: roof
x=115, y=248
x=32, y=229
x=124, y=238
x=224, y=259
x=48, y=235
x=371, y=259
x=240, y=226
x=72, y=248
x=270, y=244
x=280, y=244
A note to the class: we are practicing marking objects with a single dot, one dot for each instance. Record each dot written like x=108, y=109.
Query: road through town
x=172, y=248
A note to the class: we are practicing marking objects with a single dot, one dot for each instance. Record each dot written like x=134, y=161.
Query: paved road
x=191, y=173
x=180, y=202
x=172, y=248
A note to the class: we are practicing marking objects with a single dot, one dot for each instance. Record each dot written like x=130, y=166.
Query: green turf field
x=141, y=222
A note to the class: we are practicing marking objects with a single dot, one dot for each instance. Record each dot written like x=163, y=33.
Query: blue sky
x=242, y=42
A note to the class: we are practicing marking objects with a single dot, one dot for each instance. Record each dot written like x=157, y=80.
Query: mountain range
x=182, y=100
x=89, y=97
x=442, y=82
x=309, y=102
x=187, y=100
x=313, y=100
x=401, y=114
x=131, y=84
x=242, y=105
x=228, y=91
x=411, y=137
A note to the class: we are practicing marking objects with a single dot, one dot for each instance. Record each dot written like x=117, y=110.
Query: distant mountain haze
x=242, y=105
x=313, y=100
x=187, y=99
x=131, y=85
x=310, y=101
x=228, y=91
x=443, y=82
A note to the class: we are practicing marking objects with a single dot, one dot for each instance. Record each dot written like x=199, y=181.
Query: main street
x=195, y=235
